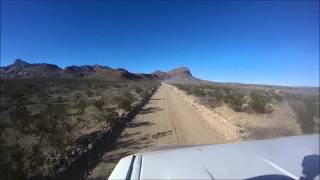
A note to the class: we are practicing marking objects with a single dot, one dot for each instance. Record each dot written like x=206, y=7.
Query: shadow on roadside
x=150, y=110
x=81, y=167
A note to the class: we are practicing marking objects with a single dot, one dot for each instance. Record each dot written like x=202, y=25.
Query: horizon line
x=213, y=81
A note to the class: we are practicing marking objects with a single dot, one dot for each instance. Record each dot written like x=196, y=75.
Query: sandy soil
x=167, y=119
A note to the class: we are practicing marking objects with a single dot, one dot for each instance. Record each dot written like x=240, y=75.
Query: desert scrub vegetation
x=260, y=100
x=237, y=100
x=234, y=100
x=43, y=121
x=125, y=101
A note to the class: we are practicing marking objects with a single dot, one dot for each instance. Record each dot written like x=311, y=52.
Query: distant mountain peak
x=182, y=68
x=157, y=71
x=19, y=64
x=19, y=61
x=180, y=71
x=160, y=74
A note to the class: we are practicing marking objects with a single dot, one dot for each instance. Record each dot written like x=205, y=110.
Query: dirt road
x=166, y=119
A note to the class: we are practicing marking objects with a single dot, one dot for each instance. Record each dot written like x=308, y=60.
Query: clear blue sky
x=275, y=42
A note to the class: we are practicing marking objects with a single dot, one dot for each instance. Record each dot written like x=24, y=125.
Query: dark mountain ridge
x=24, y=70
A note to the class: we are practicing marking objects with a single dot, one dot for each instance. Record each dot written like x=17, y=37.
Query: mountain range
x=23, y=70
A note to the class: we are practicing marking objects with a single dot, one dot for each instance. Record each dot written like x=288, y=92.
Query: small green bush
x=214, y=98
x=110, y=116
x=198, y=91
x=98, y=103
x=20, y=162
x=82, y=105
x=21, y=118
x=258, y=103
x=89, y=93
x=278, y=98
x=125, y=101
x=139, y=90
x=142, y=93
x=235, y=101
x=51, y=121
x=13, y=162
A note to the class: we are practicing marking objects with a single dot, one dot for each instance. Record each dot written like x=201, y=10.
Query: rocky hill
x=182, y=75
x=160, y=74
x=23, y=70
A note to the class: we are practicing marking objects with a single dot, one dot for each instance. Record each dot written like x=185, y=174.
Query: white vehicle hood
x=284, y=158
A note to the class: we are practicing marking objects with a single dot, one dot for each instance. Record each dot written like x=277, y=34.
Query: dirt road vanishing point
x=166, y=119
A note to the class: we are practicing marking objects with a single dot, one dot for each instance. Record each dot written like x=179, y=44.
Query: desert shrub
x=139, y=90
x=234, y=100
x=117, y=85
x=278, y=98
x=192, y=89
x=21, y=118
x=98, y=103
x=110, y=117
x=18, y=96
x=94, y=86
x=51, y=126
x=51, y=123
x=3, y=107
x=258, y=103
x=36, y=157
x=187, y=88
x=21, y=162
x=89, y=93
x=198, y=91
x=81, y=105
x=143, y=93
x=12, y=162
x=219, y=94
x=125, y=101
x=214, y=98
x=59, y=99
